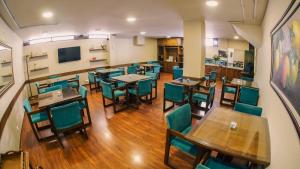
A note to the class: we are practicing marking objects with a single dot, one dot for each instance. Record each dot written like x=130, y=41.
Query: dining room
x=152, y=84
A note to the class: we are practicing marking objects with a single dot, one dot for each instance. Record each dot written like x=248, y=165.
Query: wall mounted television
x=69, y=54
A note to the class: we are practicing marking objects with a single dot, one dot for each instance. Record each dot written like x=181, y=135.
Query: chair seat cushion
x=132, y=91
x=217, y=164
x=39, y=117
x=119, y=93
x=231, y=90
x=184, y=145
x=198, y=97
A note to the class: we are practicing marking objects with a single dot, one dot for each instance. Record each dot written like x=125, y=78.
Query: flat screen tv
x=68, y=54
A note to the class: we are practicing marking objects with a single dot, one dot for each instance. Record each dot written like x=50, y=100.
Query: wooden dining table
x=59, y=97
x=249, y=140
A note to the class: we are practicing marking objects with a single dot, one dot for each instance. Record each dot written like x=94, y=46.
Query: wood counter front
x=230, y=73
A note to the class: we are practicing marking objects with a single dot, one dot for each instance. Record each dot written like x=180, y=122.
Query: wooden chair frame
x=113, y=99
x=174, y=133
x=80, y=127
x=223, y=94
x=205, y=92
x=173, y=103
x=139, y=97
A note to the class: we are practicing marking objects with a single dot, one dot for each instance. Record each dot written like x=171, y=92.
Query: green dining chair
x=154, y=77
x=175, y=67
x=179, y=123
x=75, y=84
x=39, y=88
x=213, y=163
x=84, y=104
x=34, y=118
x=131, y=70
x=177, y=73
x=115, y=74
x=212, y=76
x=249, y=95
x=63, y=83
x=65, y=118
x=54, y=76
x=143, y=88
x=247, y=108
x=204, y=94
x=93, y=80
x=113, y=94
x=53, y=88
x=156, y=69
x=230, y=89
x=174, y=93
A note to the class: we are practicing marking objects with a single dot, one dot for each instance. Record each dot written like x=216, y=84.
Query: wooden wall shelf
x=38, y=69
x=8, y=75
x=38, y=56
x=6, y=62
x=97, y=49
x=98, y=60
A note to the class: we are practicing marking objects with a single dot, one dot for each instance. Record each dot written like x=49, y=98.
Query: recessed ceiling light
x=131, y=19
x=212, y=3
x=236, y=37
x=168, y=36
x=142, y=33
x=47, y=14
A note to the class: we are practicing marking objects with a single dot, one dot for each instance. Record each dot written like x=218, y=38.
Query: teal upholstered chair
x=177, y=73
x=213, y=163
x=53, y=88
x=63, y=83
x=175, y=94
x=100, y=68
x=154, y=77
x=34, y=118
x=211, y=77
x=40, y=89
x=175, y=67
x=247, y=78
x=54, y=76
x=228, y=88
x=115, y=74
x=84, y=102
x=179, y=123
x=247, y=108
x=143, y=88
x=75, y=83
x=67, y=117
x=249, y=95
x=132, y=70
x=204, y=94
x=156, y=69
x=112, y=93
x=93, y=80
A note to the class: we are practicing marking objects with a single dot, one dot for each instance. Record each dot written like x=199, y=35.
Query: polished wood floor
x=128, y=139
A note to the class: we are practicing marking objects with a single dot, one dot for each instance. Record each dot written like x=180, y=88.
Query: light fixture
x=131, y=19
x=98, y=36
x=35, y=41
x=168, y=36
x=58, y=38
x=47, y=14
x=142, y=33
x=212, y=3
x=236, y=37
x=2, y=48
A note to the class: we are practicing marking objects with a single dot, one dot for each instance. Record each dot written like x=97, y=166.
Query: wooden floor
x=128, y=139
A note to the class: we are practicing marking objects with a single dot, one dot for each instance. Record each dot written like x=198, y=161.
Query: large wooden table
x=59, y=97
x=130, y=78
x=249, y=141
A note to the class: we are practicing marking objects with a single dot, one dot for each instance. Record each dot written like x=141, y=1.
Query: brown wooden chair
x=204, y=94
x=228, y=88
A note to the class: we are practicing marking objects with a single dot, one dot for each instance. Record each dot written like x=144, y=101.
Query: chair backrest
x=174, y=92
x=115, y=74
x=131, y=70
x=53, y=88
x=247, y=78
x=63, y=116
x=100, y=68
x=152, y=75
x=83, y=92
x=37, y=84
x=144, y=87
x=213, y=76
x=77, y=77
x=212, y=90
x=62, y=83
x=53, y=76
x=91, y=77
x=122, y=70
x=156, y=69
x=249, y=95
x=136, y=64
x=180, y=118
x=106, y=89
x=27, y=106
x=249, y=109
x=177, y=73
x=175, y=67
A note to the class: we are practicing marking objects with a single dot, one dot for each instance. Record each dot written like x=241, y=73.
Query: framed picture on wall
x=285, y=73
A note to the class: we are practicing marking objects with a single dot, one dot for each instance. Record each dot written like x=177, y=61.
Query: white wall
x=123, y=50
x=11, y=134
x=285, y=147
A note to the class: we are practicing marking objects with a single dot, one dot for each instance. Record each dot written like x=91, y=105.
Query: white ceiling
x=157, y=17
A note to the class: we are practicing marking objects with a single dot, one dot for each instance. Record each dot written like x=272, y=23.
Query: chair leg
x=167, y=149
x=34, y=131
x=84, y=132
x=151, y=97
x=114, y=106
x=58, y=138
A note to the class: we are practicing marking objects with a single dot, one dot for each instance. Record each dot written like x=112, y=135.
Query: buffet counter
x=229, y=71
